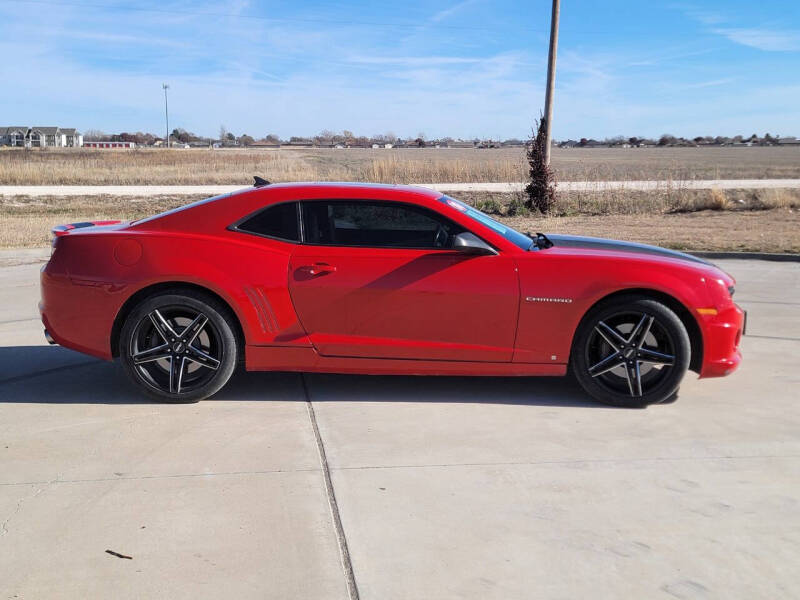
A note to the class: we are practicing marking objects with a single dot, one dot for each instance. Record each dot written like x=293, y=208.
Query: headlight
x=721, y=293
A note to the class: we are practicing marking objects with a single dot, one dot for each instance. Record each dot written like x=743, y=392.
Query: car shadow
x=55, y=375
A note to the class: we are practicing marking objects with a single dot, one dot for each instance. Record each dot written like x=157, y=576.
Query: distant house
x=788, y=141
x=71, y=138
x=460, y=144
x=13, y=136
x=40, y=137
x=594, y=144
x=111, y=145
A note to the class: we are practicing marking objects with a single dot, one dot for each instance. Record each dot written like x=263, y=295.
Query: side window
x=279, y=221
x=376, y=225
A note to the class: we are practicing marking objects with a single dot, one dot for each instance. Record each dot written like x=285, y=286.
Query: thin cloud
x=414, y=60
x=449, y=12
x=762, y=39
x=709, y=83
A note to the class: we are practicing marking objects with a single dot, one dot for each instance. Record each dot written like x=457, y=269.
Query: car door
x=378, y=279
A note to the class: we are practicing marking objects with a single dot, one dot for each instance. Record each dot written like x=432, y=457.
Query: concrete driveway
x=424, y=487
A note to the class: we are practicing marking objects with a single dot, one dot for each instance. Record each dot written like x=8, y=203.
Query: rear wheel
x=179, y=346
x=631, y=351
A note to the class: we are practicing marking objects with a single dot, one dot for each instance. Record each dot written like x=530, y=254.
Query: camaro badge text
x=537, y=299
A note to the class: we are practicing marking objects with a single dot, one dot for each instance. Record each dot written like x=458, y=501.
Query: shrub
x=517, y=207
x=541, y=189
x=489, y=206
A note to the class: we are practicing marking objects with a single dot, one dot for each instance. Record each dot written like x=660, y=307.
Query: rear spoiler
x=60, y=230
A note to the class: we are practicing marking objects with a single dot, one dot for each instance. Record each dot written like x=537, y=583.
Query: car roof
x=325, y=186
x=227, y=208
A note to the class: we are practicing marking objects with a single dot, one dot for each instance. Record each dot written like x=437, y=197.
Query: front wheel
x=632, y=351
x=179, y=346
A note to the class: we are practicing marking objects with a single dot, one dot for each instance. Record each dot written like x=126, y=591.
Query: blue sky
x=464, y=68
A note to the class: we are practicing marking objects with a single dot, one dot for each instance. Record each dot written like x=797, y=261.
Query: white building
x=40, y=137
x=13, y=136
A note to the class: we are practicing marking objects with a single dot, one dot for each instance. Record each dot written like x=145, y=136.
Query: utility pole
x=166, y=110
x=551, y=78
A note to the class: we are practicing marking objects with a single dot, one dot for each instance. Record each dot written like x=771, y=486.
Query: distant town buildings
x=66, y=137
x=40, y=137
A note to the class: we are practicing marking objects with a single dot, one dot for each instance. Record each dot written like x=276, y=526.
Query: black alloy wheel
x=632, y=351
x=179, y=347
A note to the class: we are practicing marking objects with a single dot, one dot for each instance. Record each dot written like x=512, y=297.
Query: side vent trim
x=266, y=315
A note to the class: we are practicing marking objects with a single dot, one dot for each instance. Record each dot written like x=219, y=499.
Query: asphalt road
x=567, y=186
x=444, y=487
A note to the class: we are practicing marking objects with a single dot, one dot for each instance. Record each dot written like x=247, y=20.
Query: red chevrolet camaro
x=380, y=279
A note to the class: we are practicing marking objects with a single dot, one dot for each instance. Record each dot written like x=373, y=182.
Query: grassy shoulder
x=696, y=221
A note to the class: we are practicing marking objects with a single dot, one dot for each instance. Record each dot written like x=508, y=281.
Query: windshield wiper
x=540, y=240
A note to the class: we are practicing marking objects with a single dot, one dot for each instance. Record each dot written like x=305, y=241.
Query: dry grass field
x=765, y=221
x=424, y=165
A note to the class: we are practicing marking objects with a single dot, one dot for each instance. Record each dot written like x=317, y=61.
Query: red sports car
x=380, y=279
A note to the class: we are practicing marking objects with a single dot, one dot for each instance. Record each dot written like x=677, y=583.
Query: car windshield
x=512, y=235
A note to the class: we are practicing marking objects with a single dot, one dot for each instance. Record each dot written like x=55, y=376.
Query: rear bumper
x=722, y=334
x=74, y=316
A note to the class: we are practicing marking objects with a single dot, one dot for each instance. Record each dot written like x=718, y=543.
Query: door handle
x=318, y=269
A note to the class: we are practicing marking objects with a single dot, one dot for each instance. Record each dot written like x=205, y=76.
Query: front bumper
x=722, y=334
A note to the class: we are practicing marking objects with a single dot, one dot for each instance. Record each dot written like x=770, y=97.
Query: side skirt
x=283, y=358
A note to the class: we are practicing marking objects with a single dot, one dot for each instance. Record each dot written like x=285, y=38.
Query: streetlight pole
x=551, y=77
x=166, y=110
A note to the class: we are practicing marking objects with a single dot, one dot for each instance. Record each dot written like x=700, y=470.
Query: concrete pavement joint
x=347, y=565
x=19, y=320
x=775, y=256
x=174, y=476
x=741, y=301
x=373, y=467
x=566, y=462
x=773, y=337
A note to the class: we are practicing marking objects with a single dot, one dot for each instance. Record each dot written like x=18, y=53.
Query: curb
x=773, y=256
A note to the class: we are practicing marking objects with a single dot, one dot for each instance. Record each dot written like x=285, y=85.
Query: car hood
x=591, y=243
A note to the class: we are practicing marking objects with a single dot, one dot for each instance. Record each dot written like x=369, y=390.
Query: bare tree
x=95, y=135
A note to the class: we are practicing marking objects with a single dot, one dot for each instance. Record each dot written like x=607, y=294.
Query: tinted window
x=375, y=224
x=279, y=221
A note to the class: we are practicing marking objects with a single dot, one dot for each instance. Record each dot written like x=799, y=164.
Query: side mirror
x=469, y=243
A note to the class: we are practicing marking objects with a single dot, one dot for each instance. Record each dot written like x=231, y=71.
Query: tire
x=179, y=346
x=631, y=351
